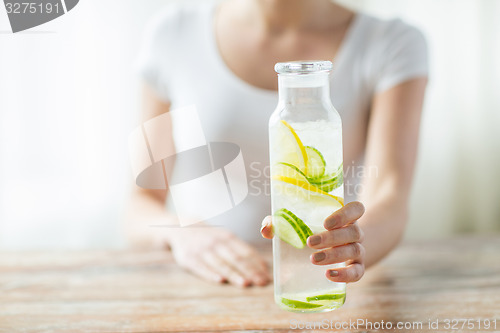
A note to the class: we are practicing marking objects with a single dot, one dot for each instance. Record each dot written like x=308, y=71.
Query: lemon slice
x=292, y=150
x=316, y=164
x=311, y=190
x=290, y=228
x=294, y=304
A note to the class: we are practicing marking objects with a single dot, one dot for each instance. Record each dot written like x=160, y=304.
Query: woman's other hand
x=217, y=255
x=341, y=242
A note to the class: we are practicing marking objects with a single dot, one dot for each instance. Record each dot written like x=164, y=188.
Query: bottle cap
x=303, y=67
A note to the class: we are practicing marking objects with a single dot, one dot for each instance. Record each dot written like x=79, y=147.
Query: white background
x=69, y=97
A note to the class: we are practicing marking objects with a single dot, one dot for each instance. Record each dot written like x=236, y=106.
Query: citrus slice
x=311, y=190
x=289, y=170
x=316, y=164
x=292, y=150
x=326, y=297
x=294, y=304
x=290, y=228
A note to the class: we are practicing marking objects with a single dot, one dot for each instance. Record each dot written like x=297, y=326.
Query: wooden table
x=146, y=292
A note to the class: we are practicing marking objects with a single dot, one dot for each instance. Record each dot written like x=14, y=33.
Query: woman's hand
x=341, y=242
x=217, y=255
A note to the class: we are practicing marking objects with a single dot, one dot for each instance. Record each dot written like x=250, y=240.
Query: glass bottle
x=306, y=184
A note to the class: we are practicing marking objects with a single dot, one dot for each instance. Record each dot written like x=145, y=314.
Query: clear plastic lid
x=303, y=67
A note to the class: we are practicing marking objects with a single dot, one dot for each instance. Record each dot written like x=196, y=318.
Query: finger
x=203, y=271
x=267, y=228
x=250, y=254
x=345, y=215
x=218, y=265
x=349, y=234
x=335, y=255
x=243, y=250
x=247, y=267
x=247, y=261
x=351, y=273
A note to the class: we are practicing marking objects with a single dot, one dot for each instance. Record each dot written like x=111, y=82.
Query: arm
x=212, y=253
x=392, y=144
x=148, y=206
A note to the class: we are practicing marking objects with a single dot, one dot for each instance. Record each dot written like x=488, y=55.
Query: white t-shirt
x=181, y=61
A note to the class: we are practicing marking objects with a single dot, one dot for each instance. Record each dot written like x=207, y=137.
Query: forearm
x=383, y=225
x=146, y=209
x=392, y=145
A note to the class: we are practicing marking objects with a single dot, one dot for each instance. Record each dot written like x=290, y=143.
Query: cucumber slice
x=290, y=229
x=316, y=163
x=291, y=303
x=329, y=182
x=330, y=185
x=304, y=228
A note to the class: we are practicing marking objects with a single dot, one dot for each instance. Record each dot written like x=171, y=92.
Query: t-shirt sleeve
x=155, y=54
x=403, y=57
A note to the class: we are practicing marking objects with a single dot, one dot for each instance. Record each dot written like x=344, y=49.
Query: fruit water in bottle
x=306, y=184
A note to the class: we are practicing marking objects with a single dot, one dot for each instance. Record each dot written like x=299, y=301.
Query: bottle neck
x=306, y=89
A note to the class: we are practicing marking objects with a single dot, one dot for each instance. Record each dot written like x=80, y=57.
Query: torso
x=251, y=51
x=226, y=70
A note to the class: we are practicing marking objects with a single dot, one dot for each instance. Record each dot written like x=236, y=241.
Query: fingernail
x=334, y=273
x=265, y=223
x=329, y=225
x=314, y=240
x=320, y=256
x=243, y=282
x=331, y=222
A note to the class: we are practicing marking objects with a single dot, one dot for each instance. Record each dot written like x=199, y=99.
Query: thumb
x=267, y=228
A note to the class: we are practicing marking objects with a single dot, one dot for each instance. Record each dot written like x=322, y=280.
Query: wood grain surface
x=126, y=291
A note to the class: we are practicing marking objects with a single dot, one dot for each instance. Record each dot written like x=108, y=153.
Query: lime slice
x=315, y=163
x=290, y=228
x=291, y=303
x=326, y=297
x=291, y=151
x=310, y=190
x=288, y=170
